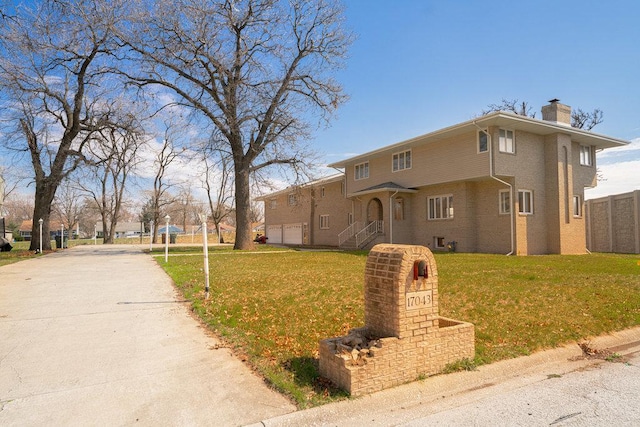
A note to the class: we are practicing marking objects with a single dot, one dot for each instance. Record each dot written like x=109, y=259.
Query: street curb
x=439, y=393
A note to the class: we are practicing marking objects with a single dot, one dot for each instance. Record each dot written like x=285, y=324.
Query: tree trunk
x=243, y=209
x=45, y=192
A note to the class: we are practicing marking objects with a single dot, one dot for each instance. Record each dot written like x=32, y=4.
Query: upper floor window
x=577, y=206
x=322, y=192
x=506, y=142
x=273, y=203
x=586, y=155
x=504, y=201
x=525, y=202
x=362, y=170
x=324, y=222
x=440, y=207
x=483, y=141
x=402, y=161
x=293, y=199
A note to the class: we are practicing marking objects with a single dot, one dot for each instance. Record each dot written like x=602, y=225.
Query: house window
x=324, y=222
x=525, y=202
x=440, y=207
x=401, y=161
x=322, y=192
x=362, y=170
x=438, y=242
x=586, y=158
x=504, y=201
x=293, y=199
x=350, y=218
x=398, y=209
x=273, y=203
x=506, y=144
x=577, y=207
x=483, y=141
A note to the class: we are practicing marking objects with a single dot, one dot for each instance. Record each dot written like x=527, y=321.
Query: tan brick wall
x=614, y=223
x=411, y=338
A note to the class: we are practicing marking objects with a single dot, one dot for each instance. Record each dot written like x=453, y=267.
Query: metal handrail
x=348, y=232
x=363, y=235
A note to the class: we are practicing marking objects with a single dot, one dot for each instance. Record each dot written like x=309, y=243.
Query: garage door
x=292, y=234
x=274, y=234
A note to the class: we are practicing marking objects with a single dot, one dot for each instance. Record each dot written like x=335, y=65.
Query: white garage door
x=274, y=234
x=292, y=234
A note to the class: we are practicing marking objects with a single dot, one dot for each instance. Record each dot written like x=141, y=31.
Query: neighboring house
x=613, y=223
x=123, y=230
x=500, y=183
x=310, y=214
x=55, y=228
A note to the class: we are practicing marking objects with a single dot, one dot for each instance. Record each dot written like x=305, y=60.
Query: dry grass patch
x=274, y=307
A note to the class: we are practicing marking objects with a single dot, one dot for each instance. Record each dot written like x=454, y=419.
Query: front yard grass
x=273, y=308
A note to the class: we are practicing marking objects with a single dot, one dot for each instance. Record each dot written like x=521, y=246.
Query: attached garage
x=274, y=234
x=292, y=234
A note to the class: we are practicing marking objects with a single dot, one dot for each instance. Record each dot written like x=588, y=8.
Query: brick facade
x=404, y=337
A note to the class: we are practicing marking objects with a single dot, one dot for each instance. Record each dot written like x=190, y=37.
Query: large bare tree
x=53, y=75
x=259, y=71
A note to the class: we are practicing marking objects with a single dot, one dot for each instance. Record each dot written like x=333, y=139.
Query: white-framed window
x=506, y=141
x=401, y=161
x=525, y=202
x=483, y=141
x=324, y=222
x=440, y=207
x=504, y=201
x=273, y=204
x=577, y=206
x=438, y=242
x=586, y=155
x=293, y=199
x=362, y=170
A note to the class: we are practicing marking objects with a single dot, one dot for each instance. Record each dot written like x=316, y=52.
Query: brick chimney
x=557, y=112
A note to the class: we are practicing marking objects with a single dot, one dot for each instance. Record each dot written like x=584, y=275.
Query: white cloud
x=632, y=147
x=619, y=177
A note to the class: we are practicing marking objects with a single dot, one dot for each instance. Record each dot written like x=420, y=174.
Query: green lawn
x=273, y=308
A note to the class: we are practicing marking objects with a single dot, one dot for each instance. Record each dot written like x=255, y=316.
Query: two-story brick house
x=500, y=183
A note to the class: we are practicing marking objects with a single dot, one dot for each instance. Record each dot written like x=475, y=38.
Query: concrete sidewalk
x=95, y=335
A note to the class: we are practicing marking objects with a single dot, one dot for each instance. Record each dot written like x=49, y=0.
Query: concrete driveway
x=96, y=335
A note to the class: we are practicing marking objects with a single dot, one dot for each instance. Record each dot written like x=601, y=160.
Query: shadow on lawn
x=305, y=373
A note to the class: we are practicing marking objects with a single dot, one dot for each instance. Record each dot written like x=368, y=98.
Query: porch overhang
x=390, y=187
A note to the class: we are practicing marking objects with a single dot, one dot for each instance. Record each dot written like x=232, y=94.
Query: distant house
x=55, y=229
x=500, y=183
x=123, y=229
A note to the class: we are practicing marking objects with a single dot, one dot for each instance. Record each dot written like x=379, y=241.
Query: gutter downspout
x=391, y=216
x=511, y=213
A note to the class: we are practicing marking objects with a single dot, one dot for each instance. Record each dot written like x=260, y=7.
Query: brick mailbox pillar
x=404, y=337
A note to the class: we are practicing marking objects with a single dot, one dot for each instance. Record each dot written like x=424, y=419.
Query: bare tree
x=160, y=196
x=579, y=119
x=585, y=120
x=256, y=70
x=67, y=205
x=113, y=155
x=217, y=181
x=512, y=105
x=52, y=68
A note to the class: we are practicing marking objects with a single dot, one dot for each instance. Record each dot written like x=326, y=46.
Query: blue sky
x=420, y=65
